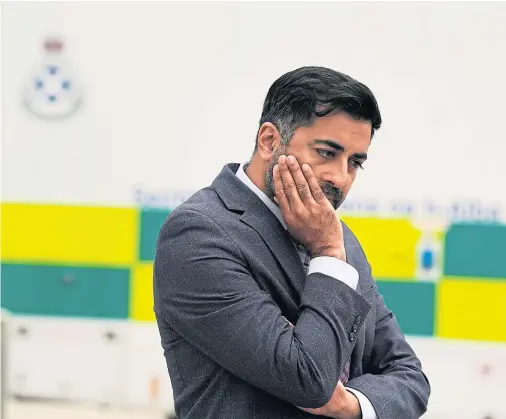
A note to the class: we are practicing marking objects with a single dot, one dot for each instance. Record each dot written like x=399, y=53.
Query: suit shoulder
x=199, y=221
x=205, y=201
x=204, y=204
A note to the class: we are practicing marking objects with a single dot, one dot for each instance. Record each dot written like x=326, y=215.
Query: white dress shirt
x=330, y=266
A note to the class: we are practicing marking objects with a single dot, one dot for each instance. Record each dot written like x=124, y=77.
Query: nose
x=338, y=175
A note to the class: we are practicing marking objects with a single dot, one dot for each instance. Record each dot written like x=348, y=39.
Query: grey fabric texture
x=226, y=278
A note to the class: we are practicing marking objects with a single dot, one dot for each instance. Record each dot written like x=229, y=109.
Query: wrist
x=353, y=410
x=335, y=252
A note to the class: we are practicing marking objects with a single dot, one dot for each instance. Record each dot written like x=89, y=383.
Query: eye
x=326, y=154
x=356, y=164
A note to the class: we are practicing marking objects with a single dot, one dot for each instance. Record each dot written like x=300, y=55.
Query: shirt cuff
x=335, y=268
x=368, y=411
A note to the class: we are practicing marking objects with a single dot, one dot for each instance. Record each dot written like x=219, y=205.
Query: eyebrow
x=336, y=146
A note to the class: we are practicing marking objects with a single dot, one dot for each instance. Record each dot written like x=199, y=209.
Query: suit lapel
x=238, y=197
x=278, y=241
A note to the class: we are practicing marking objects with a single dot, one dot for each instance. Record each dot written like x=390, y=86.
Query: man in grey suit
x=264, y=299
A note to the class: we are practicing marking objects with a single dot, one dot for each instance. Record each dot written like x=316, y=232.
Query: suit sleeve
x=395, y=384
x=204, y=290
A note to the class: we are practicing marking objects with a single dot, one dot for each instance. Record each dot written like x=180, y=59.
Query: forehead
x=341, y=127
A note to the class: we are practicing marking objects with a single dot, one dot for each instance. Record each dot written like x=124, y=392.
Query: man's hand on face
x=308, y=214
x=342, y=405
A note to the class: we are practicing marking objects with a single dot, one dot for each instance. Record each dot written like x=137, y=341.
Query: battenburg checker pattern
x=96, y=262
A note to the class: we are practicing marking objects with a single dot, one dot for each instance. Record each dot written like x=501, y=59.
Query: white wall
x=172, y=91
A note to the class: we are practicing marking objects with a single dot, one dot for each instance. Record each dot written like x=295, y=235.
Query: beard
x=333, y=194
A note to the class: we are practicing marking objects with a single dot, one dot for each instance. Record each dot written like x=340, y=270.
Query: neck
x=255, y=172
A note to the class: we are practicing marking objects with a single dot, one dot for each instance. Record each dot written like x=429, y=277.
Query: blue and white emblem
x=51, y=90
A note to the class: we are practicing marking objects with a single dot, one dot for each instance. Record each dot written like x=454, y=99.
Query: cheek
x=300, y=151
x=319, y=174
x=349, y=183
x=302, y=156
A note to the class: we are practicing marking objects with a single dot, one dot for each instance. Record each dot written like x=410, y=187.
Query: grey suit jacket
x=226, y=275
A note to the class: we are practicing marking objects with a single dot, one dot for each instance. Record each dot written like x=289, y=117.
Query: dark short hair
x=298, y=97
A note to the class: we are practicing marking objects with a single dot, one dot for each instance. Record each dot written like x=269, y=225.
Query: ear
x=268, y=141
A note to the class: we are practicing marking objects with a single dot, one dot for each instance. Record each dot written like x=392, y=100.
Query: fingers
x=300, y=180
x=296, y=185
x=289, y=186
x=279, y=191
x=316, y=192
